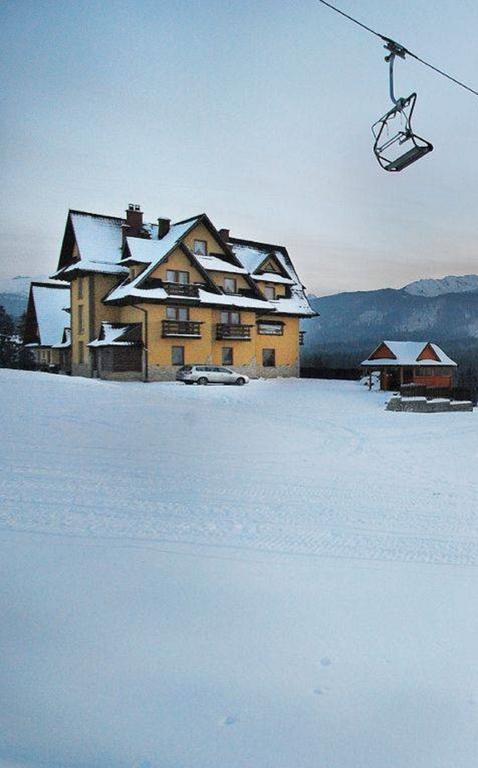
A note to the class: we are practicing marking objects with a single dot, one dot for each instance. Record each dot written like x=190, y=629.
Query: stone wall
x=422, y=405
x=168, y=372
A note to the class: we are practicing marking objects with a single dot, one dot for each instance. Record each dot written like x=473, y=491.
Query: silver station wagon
x=210, y=374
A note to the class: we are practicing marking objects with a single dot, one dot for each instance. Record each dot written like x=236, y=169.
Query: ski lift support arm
x=395, y=50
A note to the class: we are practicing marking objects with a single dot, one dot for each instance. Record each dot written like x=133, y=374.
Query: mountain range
x=350, y=325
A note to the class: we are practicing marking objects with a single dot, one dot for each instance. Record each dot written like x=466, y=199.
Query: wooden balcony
x=176, y=328
x=181, y=289
x=226, y=331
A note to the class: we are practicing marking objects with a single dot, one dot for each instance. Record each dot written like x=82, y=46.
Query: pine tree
x=8, y=345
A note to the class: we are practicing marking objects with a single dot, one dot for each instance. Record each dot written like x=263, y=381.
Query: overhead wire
x=405, y=50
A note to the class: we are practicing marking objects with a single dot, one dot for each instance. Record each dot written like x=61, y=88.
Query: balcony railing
x=181, y=328
x=181, y=289
x=301, y=337
x=229, y=331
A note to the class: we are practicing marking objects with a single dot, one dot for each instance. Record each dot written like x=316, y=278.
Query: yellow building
x=149, y=298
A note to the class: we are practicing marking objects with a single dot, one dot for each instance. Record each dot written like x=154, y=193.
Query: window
x=230, y=285
x=269, y=266
x=177, y=313
x=230, y=318
x=432, y=370
x=227, y=356
x=270, y=329
x=177, y=276
x=81, y=352
x=80, y=287
x=177, y=355
x=269, y=292
x=268, y=358
x=80, y=318
x=200, y=247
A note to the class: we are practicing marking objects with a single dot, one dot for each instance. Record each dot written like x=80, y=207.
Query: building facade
x=47, y=323
x=148, y=298
x=418, y=363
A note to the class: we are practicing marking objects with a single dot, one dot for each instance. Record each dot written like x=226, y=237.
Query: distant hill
x=450, y=284
x=14, y=293
x=351, y=324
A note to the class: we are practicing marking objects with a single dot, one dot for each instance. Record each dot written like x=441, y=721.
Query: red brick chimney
x=134, y=222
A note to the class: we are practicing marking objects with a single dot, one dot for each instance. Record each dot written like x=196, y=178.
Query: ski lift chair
x=396, y=146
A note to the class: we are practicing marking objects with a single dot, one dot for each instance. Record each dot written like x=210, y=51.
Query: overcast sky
x=255, y=111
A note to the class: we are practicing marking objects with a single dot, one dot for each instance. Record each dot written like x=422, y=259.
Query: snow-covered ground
x=281, y=575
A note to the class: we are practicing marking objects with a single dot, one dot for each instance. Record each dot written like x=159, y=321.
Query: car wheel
x=202, y=380
x=240, y=381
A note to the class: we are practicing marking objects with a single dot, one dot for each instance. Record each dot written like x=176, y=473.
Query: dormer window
x=230, y=285
x=200, y=248
x=177, y=276
x=269, y=292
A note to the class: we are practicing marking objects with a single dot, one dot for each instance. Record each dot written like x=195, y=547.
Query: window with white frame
x=230, y=285
x=270, y=329
x=177, y=313
x=269, y=292
x=200, y=247
x=177, y=276
x=230, y=318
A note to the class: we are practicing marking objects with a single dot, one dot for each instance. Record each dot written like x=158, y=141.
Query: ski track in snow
x=303, y=467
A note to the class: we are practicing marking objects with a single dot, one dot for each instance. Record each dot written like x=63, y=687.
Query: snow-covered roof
x=252, y=255
x=105, y=267
x=50, y=302
x=153, y=251
x=273, y=277
x=99, y=240
x=111, y=335
x=208, y=298
x=407, y=353
x=65, y=343
x=214, y=263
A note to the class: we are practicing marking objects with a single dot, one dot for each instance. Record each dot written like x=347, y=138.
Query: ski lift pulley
x=396, y=146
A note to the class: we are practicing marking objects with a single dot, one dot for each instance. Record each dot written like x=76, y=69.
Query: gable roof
x=118, y=335
x=65, y=342
x=253, y=255
x=409, y=353
x=99, y=240
x=46, y=315
x=152, y=252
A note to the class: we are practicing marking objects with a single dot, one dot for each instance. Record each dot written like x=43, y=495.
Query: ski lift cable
x=395, y=45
